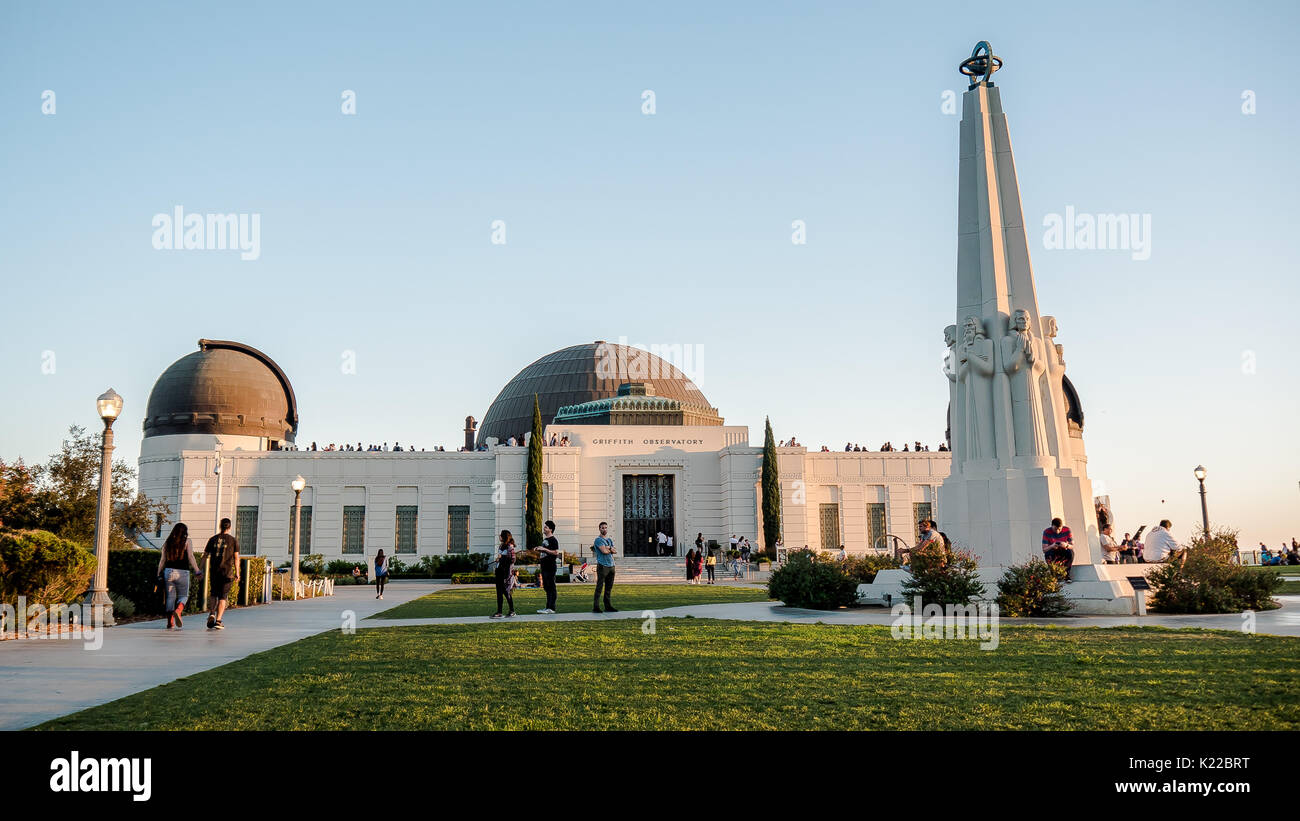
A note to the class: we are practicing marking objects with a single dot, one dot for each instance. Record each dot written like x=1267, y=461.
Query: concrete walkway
x=42, y=679
x=1282, y=622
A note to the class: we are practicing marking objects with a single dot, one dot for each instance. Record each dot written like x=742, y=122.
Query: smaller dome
x=223, y=388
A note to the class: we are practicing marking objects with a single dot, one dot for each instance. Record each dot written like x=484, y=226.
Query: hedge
x=133, y=573
x=490, y=578
x=43, y=567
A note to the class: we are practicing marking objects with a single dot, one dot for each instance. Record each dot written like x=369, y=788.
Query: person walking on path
x=603, y=547
x=550, y=553
x=222, y=551
x=710, y=564
x=381, y=573
x=505, y=575
x=174, y=572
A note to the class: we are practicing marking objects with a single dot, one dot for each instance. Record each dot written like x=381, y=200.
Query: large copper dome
x=223, y=388
x=578, y=374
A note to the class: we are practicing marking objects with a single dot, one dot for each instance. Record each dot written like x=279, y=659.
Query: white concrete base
x=1095, y=590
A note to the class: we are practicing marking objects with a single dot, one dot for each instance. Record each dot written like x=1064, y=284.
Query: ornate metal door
x=647, y=511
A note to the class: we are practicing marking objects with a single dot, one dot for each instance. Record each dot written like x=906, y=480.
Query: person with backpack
x=222, y=552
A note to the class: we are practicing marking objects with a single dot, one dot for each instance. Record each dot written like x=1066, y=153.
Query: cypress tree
x=771, y=489
x=533, y=514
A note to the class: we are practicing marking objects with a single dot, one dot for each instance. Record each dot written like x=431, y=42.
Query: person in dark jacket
x=505, y=572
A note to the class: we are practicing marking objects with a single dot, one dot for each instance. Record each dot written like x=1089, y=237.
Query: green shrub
x=253, y=577
x=133, y=573
x=43, y=567
x=312, y=564
x=1033, y=589
x=1254, y=588
x=864, y=568
x=941, y=575
x=123, y=608
x=814, y=582
x=342, y=567
x=1202, y=579
x=453, y=563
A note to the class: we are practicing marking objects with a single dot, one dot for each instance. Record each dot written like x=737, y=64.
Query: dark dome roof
x=577, y=374
x=223, y=387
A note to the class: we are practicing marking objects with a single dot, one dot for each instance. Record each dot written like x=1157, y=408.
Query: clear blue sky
x=672, y=228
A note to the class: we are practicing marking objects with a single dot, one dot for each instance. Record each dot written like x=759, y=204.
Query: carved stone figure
x=1024, y=360
x=1054, y=376
x=975, y=370
x=956, y=415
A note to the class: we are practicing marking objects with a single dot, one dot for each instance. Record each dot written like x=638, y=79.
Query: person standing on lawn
x=603, y=547
x=222, y=551
x=505, y=575
x=550, y=557
x=710, y=565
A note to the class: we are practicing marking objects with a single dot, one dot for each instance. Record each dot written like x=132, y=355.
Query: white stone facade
x=715, y=489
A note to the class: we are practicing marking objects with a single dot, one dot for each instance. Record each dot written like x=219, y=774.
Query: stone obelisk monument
x=1016, y=428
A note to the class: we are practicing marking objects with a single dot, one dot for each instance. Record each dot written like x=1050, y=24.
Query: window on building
x=830, y=526
x=920, y=510
x=457, y=528
x=876, y=525
x=354, y=528
x=304, y=547
x=246, y=529
x=406, y=515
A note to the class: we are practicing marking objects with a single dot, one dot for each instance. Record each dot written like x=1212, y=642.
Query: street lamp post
x=1205, y=512
x=297, y=484
x=110, y=407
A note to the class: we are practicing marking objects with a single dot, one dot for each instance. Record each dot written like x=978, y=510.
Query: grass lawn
x=569, y=599
x=707, y=674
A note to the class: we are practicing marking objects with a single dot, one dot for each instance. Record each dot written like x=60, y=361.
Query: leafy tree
x=771, y=489
x=62, y=496
x=20, y=501
x=533, y=490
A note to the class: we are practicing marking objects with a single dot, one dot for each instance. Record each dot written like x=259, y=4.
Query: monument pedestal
x=1095, y=590
x=1000, y=515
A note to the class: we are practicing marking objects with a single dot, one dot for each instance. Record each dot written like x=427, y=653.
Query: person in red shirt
x=1058, y=546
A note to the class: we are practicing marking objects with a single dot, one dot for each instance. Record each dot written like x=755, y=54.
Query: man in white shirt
x=662, y=540
x=1160, y=544
x=670, y=546
x=1109, y=548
